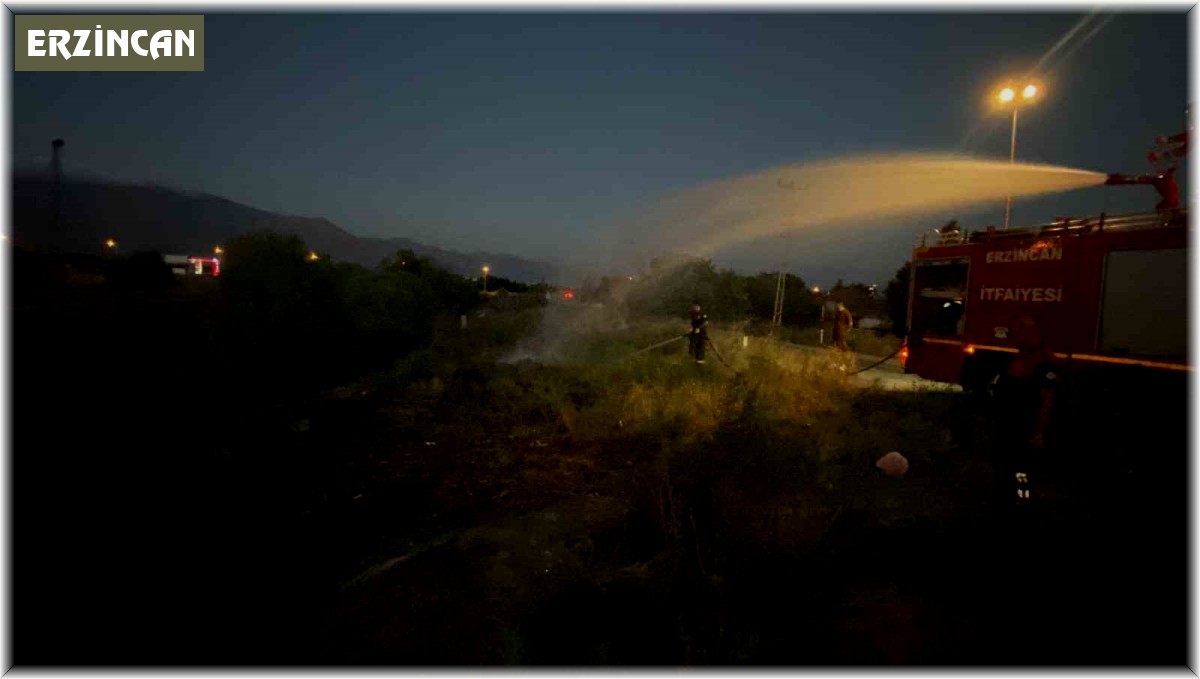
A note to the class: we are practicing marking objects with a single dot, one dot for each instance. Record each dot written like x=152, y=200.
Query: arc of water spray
x=845, y=190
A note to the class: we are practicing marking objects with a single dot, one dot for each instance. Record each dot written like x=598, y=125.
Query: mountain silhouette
x=174, y=221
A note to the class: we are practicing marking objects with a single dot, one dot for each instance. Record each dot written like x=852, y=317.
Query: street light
x=218, y=250
x=486, y=270
x=1006, y=96
x=111, y=245
x=312, y=256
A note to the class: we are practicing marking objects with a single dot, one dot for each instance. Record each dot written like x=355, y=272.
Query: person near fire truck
x=1025, y=394
x=842, y=322
x=699, y=334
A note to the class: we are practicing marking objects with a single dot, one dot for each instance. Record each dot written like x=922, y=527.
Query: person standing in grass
x=842, y=322
x=1025, y=396
x=699, y=334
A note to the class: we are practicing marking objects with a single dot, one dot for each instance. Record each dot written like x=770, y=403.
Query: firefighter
x=1025, y=396
x=842, y=322
x=699, y=334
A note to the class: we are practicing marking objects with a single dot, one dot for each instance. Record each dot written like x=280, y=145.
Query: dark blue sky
x=530, y=133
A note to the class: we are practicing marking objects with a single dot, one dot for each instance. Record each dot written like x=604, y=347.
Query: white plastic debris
x=893, y=464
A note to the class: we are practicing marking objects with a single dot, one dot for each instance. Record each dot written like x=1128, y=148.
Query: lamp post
x=1009, y=95
x=486, y=270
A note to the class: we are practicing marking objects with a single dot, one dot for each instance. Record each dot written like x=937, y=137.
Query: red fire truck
x=1108, y=294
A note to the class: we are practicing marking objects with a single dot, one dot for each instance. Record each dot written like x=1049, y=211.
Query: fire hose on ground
x=713, y=346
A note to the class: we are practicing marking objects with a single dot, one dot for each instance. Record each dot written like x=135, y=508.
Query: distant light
x=1007, y=94
x=217, y=250
x=816, y=288
x=486, y=269
x=969, y=349
x=1029, y=91
x=312, y=257
x=568, y=295
x=945, y=305
x=110, y=243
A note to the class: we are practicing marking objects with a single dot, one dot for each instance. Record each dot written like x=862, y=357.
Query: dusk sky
x=534, y=133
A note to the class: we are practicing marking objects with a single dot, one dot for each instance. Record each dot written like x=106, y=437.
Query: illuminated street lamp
x=218, y=250
x=312, y=257
x=111, y=245
x=486, y=270
x=1009, y=96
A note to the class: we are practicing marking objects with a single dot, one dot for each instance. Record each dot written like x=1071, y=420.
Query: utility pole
x=780, y=283
x=56, y=188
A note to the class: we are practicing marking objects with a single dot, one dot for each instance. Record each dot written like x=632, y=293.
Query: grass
x=870, y=342
x=791, y=414
x=609, y=506
x=531, y=490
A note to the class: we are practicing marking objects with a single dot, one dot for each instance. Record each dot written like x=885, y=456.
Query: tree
x=896, y=296
x=285, y=325
x=800, y=306
x=674, y=283
x=452, y=294
x=391, y=313
x=730, y=299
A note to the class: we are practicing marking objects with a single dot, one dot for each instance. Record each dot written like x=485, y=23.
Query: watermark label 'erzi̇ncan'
x=109, y=42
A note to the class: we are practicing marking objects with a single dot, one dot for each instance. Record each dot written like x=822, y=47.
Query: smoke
x=562, y=332
x=837, y=192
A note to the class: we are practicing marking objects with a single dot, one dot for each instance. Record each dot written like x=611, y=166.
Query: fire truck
x=1109, y=295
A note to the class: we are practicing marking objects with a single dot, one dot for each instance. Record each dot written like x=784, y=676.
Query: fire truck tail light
x=903, y=355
